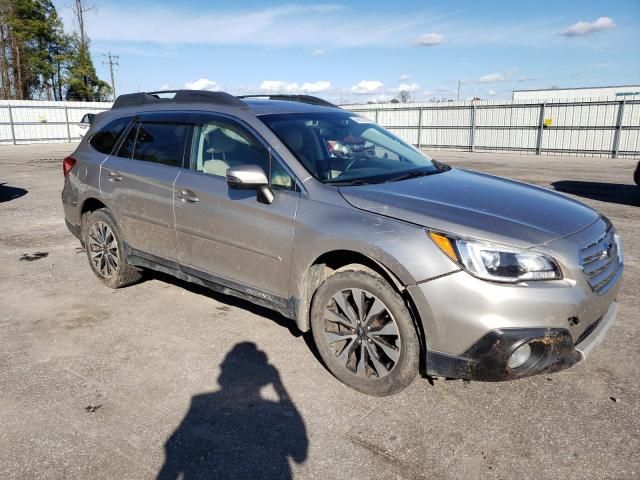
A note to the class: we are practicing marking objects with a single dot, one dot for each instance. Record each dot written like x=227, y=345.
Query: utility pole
x=111, y=61
x=458, y=89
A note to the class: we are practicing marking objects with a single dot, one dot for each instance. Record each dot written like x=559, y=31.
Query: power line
x=111, y=61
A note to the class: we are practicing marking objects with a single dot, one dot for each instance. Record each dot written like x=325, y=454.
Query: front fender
x=401, y=248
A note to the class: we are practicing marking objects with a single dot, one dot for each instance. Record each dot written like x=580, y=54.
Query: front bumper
x=552, y=349
x=472, y=326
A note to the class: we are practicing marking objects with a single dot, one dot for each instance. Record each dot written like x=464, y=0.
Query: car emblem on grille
x=608, y=250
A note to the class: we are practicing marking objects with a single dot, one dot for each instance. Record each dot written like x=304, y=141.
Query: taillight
x=67, y=165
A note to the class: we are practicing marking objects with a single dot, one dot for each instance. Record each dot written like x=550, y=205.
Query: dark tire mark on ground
x=32, y=257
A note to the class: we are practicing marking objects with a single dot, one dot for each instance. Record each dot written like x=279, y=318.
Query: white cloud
x=203, y=84
x=492, y=78
x=492, y=92
x=366, y=87
x=430, y=39
x=405, y=77
x=316, y=87
x=382, y=98
x=278, y=86
x=408, y=87
x=166, y=86
x=523, y=78
x=318, y=52
x=312, y=26
x=582, y=29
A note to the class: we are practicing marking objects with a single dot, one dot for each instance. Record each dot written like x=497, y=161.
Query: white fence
x=26, y=121
x=600, y=127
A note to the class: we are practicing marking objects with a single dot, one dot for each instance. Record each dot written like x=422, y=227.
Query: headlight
x=497, y=263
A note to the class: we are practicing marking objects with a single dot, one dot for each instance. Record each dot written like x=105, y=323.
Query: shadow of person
x=235, y=432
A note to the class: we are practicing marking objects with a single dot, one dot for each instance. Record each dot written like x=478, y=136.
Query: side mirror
x=251, y=177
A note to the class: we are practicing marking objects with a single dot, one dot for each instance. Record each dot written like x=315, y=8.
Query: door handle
x=114, y=176
x=187, y=196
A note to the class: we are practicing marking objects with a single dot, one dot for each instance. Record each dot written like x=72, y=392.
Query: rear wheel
x=364, y=332
x=104, y=246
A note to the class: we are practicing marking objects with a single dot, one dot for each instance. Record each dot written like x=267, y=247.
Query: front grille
x=600, y=261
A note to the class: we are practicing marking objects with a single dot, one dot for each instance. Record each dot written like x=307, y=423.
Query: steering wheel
x=354, y=162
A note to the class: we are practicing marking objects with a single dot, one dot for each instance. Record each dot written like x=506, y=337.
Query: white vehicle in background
x=85, y=123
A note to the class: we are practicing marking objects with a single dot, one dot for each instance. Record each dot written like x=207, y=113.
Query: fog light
x=520, y=356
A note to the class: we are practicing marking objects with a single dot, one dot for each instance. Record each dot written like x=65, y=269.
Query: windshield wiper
x=347, y=183
x=383, y=179
x=412, y=174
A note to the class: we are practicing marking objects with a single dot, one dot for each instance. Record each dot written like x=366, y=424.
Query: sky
x=358, y=51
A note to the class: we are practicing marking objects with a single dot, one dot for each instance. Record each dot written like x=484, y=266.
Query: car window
x=220, y=145
x=105, y=139
x=161, y=143
x=126, y=149
x=341, y=147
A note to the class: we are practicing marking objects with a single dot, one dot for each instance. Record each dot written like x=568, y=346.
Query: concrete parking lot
x=98, y=383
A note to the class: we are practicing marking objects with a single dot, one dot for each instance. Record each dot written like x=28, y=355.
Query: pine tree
x=29, y=31
x=37, y=58
x=82, y=81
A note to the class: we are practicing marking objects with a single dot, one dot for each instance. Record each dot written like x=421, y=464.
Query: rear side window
x=105, y=139
x=126, y=149
x=161, y=143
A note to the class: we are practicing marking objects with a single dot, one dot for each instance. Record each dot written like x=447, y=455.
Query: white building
x=582, y=93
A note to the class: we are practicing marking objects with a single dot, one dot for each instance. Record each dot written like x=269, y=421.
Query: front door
x=227, y=233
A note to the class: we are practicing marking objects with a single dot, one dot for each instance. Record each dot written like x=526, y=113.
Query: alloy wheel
x=103, y=249
x=362, y=333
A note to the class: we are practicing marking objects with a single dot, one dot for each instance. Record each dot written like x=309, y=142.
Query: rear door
x=227, y=233
x=139, y=180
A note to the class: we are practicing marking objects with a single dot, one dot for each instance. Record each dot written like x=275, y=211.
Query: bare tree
x=404, y=96
x=80, y=7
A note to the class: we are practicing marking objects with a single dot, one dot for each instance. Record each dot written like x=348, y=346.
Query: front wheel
x=365, y=333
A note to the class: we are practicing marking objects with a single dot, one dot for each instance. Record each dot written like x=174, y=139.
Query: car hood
x=476, y=205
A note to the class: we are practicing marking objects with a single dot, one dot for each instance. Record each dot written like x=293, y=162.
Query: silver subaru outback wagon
x=396, y=263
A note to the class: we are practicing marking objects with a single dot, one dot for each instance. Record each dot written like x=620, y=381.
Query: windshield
x=343, y=148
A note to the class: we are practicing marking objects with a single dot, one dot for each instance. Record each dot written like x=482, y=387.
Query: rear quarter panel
x=83, y=182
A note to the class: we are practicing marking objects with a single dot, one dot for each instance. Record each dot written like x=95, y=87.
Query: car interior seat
x=304, y=144
x=217, y=152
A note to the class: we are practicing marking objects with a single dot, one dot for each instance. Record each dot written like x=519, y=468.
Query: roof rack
x=294, y=98
x=180, y=96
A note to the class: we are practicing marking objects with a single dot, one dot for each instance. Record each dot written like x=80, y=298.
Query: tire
x=636, y=175
x=107, y=258
x=385, y=332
